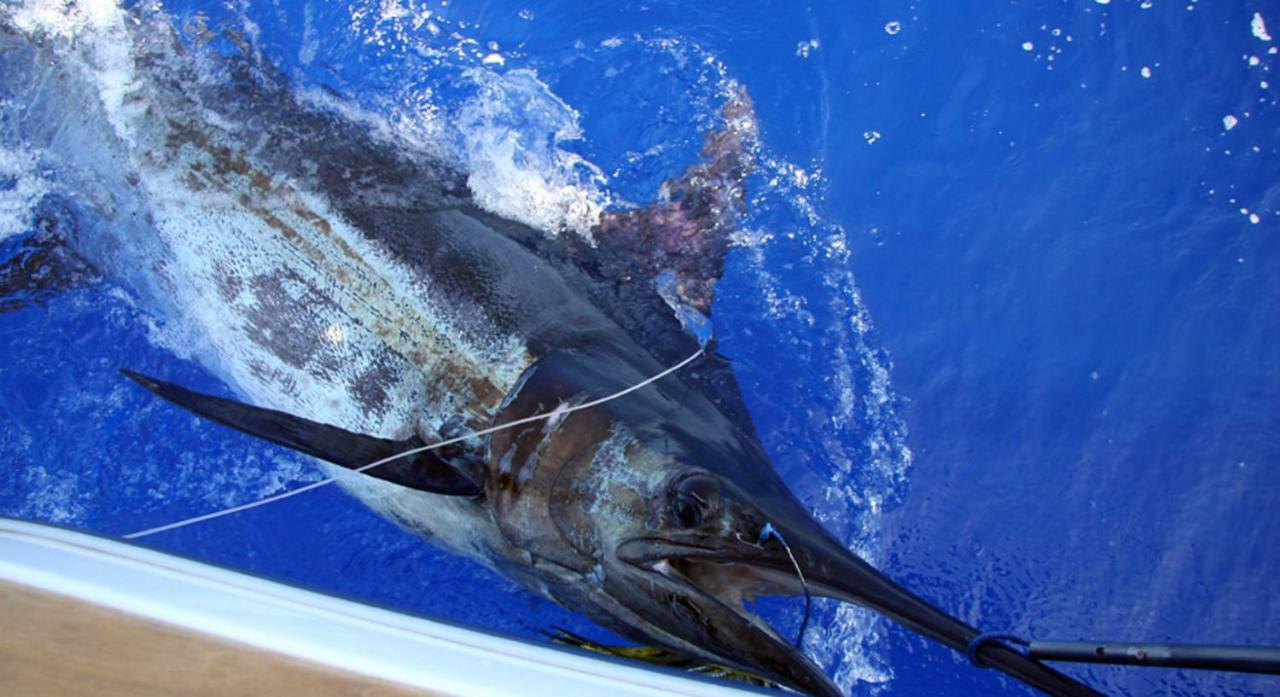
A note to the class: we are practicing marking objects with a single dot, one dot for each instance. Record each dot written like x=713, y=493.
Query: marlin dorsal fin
x=423, y=471
x=680, y=242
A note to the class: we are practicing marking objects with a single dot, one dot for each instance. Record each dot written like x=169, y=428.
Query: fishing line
x=769, y=531
x=557, y=412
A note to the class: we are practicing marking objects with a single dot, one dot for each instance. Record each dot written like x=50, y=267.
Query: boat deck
x=57, y=646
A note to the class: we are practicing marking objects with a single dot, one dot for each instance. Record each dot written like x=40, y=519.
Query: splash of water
x=22, y=186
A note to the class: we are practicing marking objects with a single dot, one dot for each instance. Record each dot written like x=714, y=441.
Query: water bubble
x=1259, y=27
x=804, y=48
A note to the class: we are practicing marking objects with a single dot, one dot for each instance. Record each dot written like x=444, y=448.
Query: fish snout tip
x=139, y=378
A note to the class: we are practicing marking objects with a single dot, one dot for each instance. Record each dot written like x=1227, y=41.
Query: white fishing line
x=557, y=412
x=769, y=531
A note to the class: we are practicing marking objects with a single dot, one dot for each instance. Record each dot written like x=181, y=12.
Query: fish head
x=684, y=552
x=646, y=513
x=676, y=517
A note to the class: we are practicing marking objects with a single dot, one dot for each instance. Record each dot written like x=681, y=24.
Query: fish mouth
x=706, y=586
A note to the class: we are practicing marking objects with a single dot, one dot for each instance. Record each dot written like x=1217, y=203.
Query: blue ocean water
x=1004, y=310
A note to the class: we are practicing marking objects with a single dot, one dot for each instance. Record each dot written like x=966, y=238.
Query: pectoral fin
x=422, y=471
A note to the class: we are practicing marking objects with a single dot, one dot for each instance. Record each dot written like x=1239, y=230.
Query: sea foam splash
x=22, y=187
x=511, y=136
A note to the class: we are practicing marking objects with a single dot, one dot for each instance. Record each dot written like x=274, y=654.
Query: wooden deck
x=56, y=646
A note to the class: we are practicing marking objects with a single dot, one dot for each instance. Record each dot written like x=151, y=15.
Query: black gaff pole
x=1240, y=659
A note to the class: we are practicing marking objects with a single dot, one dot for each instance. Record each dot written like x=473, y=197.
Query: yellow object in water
x=661, y=656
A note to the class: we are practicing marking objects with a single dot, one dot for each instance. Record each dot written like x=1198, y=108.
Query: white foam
x=419, y=127
x=511, y=134
x=22, y=185
x=55, y=497
x=96, y=31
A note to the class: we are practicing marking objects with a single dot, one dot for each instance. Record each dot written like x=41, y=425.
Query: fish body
x=357, y=298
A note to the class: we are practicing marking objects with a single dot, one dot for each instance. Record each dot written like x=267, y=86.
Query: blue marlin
x=361, y=302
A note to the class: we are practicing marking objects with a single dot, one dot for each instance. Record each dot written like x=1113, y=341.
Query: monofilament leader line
x=558, y=412
x=767, y=532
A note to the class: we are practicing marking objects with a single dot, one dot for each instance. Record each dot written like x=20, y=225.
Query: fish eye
x=692, y=498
